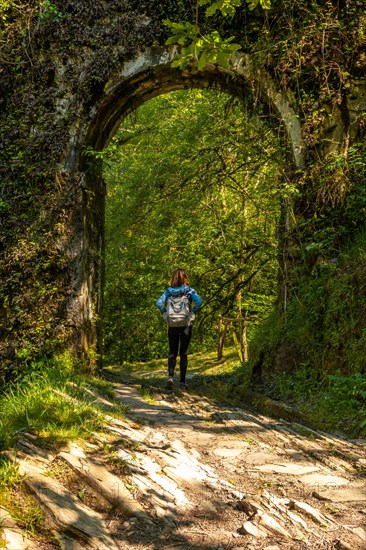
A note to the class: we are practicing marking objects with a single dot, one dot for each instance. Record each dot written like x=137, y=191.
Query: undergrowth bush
x=345, y=400
x=334, y=403
x=314, y=355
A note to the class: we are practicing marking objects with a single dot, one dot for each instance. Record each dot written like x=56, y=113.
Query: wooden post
x=222, y=336
x=241, y=343
x=220, y=343
x=237, y=345
x=243, y=339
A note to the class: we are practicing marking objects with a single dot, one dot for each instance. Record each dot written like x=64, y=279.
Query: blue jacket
x=175, y=291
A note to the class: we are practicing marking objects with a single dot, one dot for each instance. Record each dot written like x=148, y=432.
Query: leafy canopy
x=193, y=181
x=211, y=47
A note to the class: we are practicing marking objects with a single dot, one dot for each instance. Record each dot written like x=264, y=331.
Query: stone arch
x=143, y=77
x=61, y=77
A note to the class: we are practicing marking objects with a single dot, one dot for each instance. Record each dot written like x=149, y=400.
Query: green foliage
x=211, y=48
x=6, y=7
x=9, y=474
x=325, y=321
x=196, y=192
x=182, y=33
x=228, y=7
x=266, y=340
x=334, y=402
x=23, y=509
x=49, y=12
x=347, y=398
x=321, y=341
x=266, y=4
x=207, y=47
x=53, y=402
x=14, y=18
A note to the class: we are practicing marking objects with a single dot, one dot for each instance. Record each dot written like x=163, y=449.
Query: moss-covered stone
x=69, y=75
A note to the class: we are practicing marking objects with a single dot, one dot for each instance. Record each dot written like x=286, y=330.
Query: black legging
x=178, y=335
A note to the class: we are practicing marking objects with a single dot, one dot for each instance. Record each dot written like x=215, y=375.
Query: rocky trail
x=183, y=471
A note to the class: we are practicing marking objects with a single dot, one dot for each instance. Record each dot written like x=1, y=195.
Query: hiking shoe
x=169, y=384
x=183, y=385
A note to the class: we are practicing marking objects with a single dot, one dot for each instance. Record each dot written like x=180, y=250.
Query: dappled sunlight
x=217, y=453
x=194, y=180
x=189, y=468
x=227, y=138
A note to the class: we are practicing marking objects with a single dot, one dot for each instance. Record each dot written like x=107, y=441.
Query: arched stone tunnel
x=81, y=75
x=145, y=76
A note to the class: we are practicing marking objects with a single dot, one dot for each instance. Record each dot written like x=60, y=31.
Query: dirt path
x=190, y=473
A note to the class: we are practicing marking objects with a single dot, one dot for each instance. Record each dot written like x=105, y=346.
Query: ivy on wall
x=56, y=59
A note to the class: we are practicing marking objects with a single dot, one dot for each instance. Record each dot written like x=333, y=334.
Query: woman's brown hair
x=179, y=277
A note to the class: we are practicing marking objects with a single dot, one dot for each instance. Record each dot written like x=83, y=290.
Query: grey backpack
x=178, y=311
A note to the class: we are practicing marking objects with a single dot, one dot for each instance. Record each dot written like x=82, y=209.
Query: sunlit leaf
x=266, y=4
x=203, y=59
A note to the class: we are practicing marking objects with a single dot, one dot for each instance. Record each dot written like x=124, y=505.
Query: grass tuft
x=54, y=403
x=21, y=506
x=58, y=405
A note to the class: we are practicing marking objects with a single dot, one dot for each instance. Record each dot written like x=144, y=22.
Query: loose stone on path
x=71, y=516
x=104, y=482
x=192, y=483
x=287, y=469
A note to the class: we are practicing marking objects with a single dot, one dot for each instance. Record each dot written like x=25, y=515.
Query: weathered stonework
x=86, y=73
x=145, y=76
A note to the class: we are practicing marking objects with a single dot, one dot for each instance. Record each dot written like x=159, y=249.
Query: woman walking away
x=176, y=306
